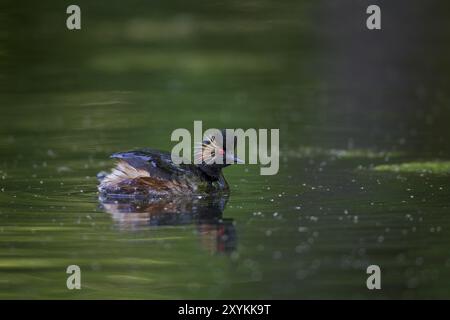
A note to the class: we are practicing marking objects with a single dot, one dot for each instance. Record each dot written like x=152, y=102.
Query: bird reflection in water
x=217, y=235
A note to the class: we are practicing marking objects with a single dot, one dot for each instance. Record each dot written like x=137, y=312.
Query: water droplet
x=277, y=255
x=234, y=256
x=419, y=261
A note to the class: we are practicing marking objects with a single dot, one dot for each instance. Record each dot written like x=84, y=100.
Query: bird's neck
x=212, y=171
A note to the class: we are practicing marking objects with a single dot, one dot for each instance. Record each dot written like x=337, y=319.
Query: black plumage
x=149, y=172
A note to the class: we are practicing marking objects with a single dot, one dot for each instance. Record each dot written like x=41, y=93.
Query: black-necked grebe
x=150, y=172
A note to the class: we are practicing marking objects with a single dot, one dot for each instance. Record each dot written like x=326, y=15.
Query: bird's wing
x=157, y=163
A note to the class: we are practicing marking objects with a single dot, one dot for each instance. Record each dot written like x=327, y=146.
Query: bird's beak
x=237, y=160
x=234, y=159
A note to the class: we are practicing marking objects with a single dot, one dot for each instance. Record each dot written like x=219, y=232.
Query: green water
x=363, y=121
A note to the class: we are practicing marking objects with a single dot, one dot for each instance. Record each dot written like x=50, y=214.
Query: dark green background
x=346, y=100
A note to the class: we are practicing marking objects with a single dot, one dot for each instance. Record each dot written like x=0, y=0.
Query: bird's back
x=152, y=172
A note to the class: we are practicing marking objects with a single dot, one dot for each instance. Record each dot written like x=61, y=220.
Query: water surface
x=354, y=109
